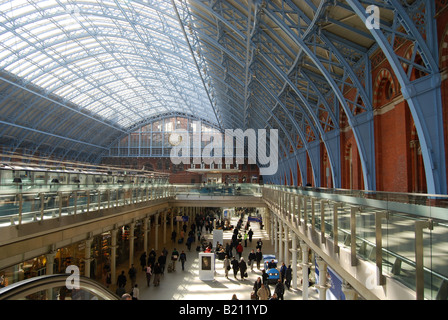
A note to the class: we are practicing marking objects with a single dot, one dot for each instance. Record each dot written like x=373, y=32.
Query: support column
x=305, y=267
x=294, y=260
x=280, y=241
x=275, y=233
x=49, y=269
x=322, y=278
x=113, y=253
x=164, y=226
x=172, y=219
x=157, y=232
x=87, y=256
x=286, y=258
x=50, y=262
x=131, y=243
x=271, y=228
x=145, y=234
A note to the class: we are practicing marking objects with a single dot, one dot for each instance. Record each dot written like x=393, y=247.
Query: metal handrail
x=20, y=290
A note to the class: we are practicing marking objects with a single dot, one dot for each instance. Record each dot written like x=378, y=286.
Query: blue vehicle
x=270, y=265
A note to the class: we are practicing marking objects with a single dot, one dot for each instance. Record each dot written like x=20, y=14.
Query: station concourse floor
x=186, y=285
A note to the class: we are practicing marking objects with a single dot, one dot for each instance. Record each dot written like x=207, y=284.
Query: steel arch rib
x=419, y=94
x=364, y=135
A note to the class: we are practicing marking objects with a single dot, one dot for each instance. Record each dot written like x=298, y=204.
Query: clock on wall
x=174, y=139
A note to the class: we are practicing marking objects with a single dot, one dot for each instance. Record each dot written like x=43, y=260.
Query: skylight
x=124, y=60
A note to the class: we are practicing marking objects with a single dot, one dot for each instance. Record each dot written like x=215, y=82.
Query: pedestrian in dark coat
x=183, y=258
x=235, y=266
x=143, y=260
x=282, y=272
x=250, y=234
x=257, y=285
x=243, y=268
x=279, y=289
x=121, y=280
x=258, y=258
x=288, y=277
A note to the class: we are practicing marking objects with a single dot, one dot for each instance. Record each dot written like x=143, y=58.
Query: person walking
x=239, y=250
x=282, y=273
x=259, y=244
x=121, y=280
x=157, y=274
x=183, y=258
x=258, y=258
x=264, y=276
x=143, y=260
x=257, y=286
x=288, y=277
x=162, y=262
x=251, y=259
x=148, y=273
x=135, y=293
x=250, y=235
x=226, y=265
x=263, y=293
x=152, y=258
x=174, y=258
x=279, y=289
x=245, y=239
x=243, y=267
x=132, y=275
x=235, y=266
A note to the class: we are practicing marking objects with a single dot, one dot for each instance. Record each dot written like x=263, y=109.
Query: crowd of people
x=233, y=255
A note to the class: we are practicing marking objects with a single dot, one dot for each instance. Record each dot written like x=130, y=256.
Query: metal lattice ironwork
x=77, y=77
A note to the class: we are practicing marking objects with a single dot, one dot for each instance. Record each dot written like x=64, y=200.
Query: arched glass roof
x=123, y=61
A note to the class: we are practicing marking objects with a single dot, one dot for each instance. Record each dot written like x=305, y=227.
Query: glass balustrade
x=410, y=230
x=405, y=235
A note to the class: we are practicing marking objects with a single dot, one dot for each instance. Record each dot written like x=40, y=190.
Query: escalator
x=54, y=287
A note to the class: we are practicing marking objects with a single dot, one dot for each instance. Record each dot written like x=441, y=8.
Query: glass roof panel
x=124, y=60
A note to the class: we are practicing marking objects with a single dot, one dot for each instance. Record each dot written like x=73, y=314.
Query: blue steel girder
x=364, y=141
x=331, y=151
x=269, y=44
x=258, y=121
x=329, y=138
x=239, y=19
x=424, y=94
x=311, y=147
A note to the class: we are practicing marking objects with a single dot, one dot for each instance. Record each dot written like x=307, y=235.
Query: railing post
x=88, y=200
x=354, y=260
x=419, y=265
x=20, y=208
x=99, y=199
x=75, y=202
x=313, y=211
x=379, y=246
x=42, y=204
x=335, y=227
x=305, y=212
x=322, y=221
x=60, y=203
